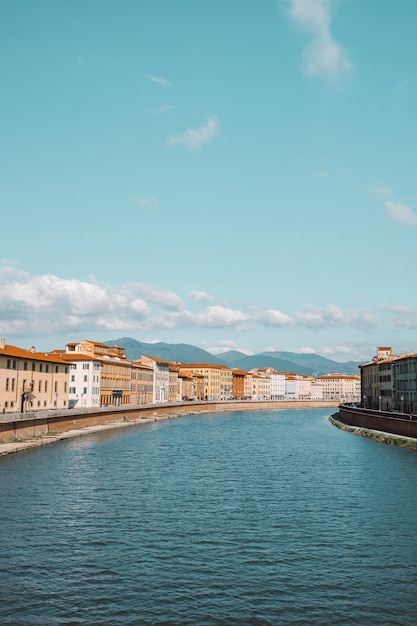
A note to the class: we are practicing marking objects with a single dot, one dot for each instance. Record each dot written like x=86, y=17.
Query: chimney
x=2, y=343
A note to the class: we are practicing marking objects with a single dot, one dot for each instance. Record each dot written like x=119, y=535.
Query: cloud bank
x=47, y=305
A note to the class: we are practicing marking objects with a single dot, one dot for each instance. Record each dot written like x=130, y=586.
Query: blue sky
x=231, y=174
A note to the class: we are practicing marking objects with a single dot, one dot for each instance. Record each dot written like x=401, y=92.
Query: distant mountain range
x=307, y=364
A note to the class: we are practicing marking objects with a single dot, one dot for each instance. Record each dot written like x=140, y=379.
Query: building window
x=46, y=386
x=7, y=384
x=25, y=365
x=8, y=364
x=86, y=366
x=41, y=367
x=13, y=381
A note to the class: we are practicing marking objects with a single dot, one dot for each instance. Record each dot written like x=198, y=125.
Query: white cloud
x=403, y=316
x=396, y=211
x=195, y=138
x=146, y=202
x=225, y=345
x=304, y=350
x=331, y=316
x=164, y=298
x=324, y=56
x=400, y=213
x=380, y=190
x=273, y=317
x=221, y=317
x=162, y=82
x=199, y=296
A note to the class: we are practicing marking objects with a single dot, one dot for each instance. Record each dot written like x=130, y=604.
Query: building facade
x=342, y=387
x=217, y=380
x=31, y=381
x=160, y=378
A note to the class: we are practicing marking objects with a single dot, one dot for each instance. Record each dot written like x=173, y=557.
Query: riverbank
x=24, y=431
x=26, y=444
x=389, y=438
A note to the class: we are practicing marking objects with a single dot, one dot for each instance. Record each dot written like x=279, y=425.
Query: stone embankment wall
x=401, y=424
x=24, y=426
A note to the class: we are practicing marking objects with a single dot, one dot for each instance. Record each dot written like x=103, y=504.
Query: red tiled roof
x=21, y=353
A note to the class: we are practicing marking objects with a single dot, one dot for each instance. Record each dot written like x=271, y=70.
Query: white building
x=160, y=378
x=277, y=381
x=297, y=387
x=316, y=390
x=84, y=381
x=342, y=387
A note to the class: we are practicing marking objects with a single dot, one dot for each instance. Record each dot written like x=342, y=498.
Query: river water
x=255, y=518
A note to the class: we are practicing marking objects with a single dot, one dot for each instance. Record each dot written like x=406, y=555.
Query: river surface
x=257, y=518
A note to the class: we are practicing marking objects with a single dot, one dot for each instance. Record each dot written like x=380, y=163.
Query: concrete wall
x=394, y=423
x=29, y=425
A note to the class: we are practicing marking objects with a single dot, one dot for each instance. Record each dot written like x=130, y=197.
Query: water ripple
x=258, y=519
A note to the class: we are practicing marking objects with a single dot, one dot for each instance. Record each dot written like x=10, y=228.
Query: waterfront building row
x=88, y=374
x=389, y=382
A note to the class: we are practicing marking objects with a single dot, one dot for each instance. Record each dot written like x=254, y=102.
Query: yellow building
x=261, y=387
x=142, y=383
x=31, y=381
x=190, y=385
x=173, y=382
x=217, y=379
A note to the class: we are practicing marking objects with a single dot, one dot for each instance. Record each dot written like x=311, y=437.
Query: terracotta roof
x=138, y=363
x=20, y=353
x=96, y=343
x=67, y=356
x=338, y=376
x=207, y=366
x=154, y=358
